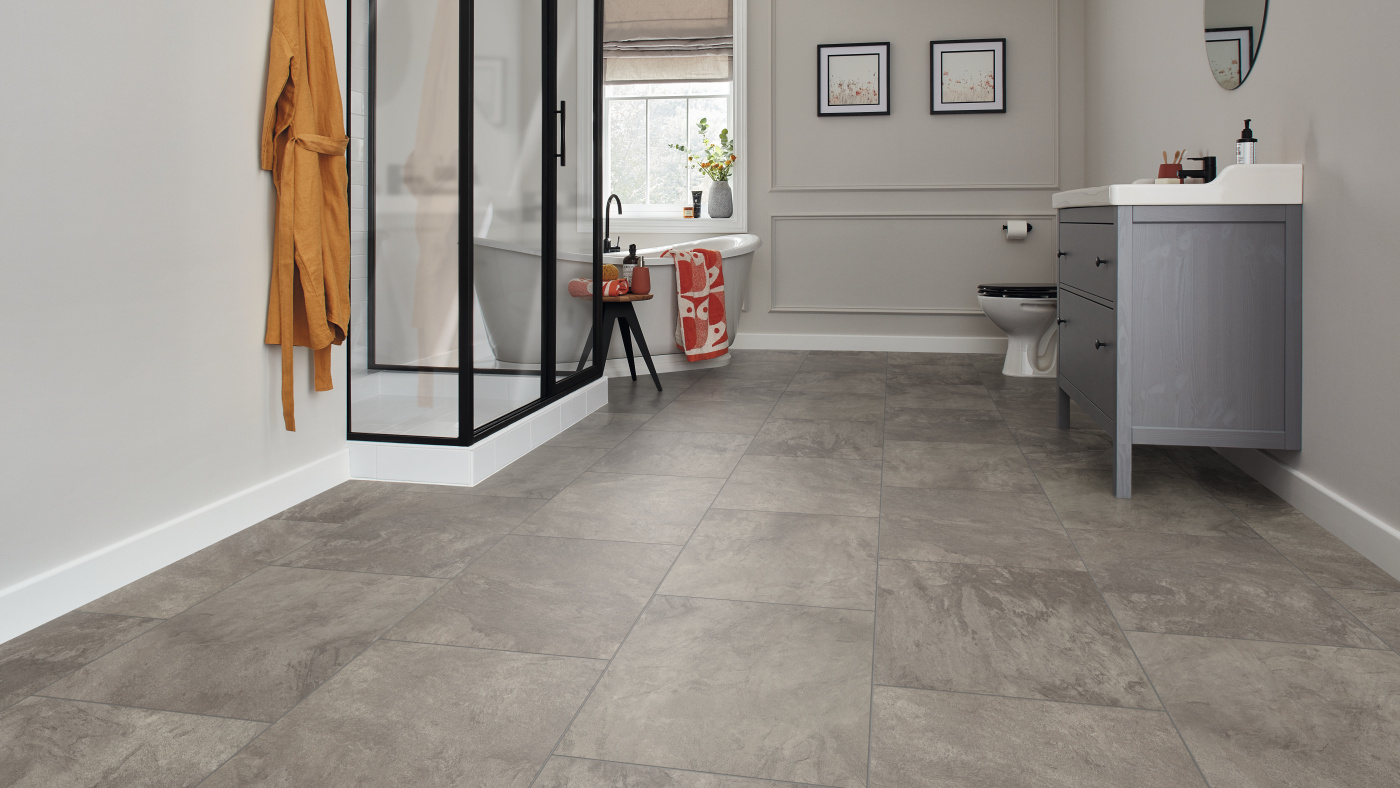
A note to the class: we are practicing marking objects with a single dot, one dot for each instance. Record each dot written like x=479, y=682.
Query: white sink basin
x=1250, y=184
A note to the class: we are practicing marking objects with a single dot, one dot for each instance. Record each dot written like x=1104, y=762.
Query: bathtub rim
x=738, y=244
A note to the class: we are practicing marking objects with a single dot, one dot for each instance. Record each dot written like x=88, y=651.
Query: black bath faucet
x=1205, y=173
x=608, y=245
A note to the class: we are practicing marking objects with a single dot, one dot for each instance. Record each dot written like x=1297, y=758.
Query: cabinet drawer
x=1089, y=258
x=1088, y=349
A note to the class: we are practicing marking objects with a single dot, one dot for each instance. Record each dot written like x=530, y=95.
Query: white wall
x=135, y=248
x=950, y=179
x=1321, y=94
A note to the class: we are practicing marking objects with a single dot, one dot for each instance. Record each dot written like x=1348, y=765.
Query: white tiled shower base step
x=470, y=465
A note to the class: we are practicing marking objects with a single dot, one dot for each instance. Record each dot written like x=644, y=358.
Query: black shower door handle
x=563, y=133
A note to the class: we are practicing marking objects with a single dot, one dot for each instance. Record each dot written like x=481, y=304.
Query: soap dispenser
x=629, y=263
x=1244, y=148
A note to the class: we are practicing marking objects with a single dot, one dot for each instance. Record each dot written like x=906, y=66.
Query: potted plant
x=717, y=162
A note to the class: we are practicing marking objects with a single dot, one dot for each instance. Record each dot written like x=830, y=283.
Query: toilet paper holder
x=1029, y=227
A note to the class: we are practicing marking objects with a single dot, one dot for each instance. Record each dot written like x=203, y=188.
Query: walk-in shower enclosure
x=470, y=123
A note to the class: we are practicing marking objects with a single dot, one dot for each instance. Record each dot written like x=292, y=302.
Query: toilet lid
x=1015, y=290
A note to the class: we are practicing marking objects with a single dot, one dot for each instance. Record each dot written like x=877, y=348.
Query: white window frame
x=664, y=219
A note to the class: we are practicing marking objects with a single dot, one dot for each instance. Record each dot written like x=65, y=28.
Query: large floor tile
x=564, y=772
x=739, y=688
x=1148, y=461
x=1214, y=586
x=942, y=374
x=738, y=418
x=168, y=591
x=746, y=369
x=574, y=597
x=865, y=384
x=638, y=397
x=600, y=430
x=419, y=715
x=626, y=507
x=342, y=502
x=829, y=407
x=844, y=361
x=1222, y=478
x=804, y=484
x=950, y=396
x=799, y=559
x=1161, y=503
x=1030, y=633
x=58, y=743
x=1313, y=549
x=1275, y=715
x=922, y=739
x=539, y=474
x=254, y=650
x=423, y=534
x=676, y=454
x=840, y=440
x=49, y=652
x=721, y=389
x=973, y=527
x=919, y=359
x=1378, y=610
x=958, y=466
x=1054, y=441
x=942, y=425
x=1025, y=413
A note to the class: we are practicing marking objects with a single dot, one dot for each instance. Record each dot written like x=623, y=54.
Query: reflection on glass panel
x=716, y=112
x=666, y=126
x=412, y=319
x=627, y=135
x=509, y=120
x=574, y=316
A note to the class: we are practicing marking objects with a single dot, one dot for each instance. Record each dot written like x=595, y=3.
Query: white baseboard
x=904, y=344
x=1369, y=535
x=46, y=596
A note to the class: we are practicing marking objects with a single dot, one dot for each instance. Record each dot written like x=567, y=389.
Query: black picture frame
x=939, y=91
x=825, y=53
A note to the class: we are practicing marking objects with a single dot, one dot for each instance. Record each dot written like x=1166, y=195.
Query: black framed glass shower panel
x=554, y=154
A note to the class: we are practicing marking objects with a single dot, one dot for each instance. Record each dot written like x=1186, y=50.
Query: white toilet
x=1026, y=312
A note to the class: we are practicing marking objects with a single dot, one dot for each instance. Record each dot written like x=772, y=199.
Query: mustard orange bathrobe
x=303, y=143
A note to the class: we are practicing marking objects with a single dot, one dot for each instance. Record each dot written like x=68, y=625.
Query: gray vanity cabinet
x=1182, y=325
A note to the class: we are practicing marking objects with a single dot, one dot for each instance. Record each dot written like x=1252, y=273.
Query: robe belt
x=327, y=146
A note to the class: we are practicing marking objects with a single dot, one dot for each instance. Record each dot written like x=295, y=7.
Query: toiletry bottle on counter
x=629, y=263
x=641, y=276
x=1244, y=149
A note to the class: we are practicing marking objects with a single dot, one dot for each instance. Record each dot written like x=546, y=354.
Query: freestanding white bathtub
x=508, y=280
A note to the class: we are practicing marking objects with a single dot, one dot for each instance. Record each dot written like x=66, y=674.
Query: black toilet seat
x=1015, y=290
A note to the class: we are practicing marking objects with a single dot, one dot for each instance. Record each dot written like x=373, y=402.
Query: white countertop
x=1248, y=184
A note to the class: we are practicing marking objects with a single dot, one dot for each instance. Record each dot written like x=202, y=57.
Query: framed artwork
x=853, y=79
x=1231, y=54
x=968, y=76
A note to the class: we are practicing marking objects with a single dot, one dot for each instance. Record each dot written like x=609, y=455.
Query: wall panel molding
x=777, y=269
x=775, y=186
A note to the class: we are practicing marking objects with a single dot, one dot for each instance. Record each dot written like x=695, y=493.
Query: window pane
x=666, y=125
x=627, y=134
x=716, y=112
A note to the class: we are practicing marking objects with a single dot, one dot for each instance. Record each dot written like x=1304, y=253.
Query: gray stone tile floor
x=805, y=568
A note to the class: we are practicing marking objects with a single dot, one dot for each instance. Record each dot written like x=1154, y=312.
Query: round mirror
x=1234, y=29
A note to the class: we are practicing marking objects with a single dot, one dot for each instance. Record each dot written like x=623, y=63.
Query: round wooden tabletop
x=622, y=299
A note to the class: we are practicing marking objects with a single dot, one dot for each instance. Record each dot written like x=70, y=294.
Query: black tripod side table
x=618, y=309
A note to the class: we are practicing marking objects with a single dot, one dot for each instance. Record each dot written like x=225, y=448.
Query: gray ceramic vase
x=721, y=200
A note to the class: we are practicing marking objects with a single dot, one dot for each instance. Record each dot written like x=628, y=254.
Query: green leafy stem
x=716, y=161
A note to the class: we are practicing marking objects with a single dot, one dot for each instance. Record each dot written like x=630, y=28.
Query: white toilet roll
x=1016, y=230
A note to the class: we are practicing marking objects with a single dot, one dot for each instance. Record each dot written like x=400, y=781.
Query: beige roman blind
x=668, y=41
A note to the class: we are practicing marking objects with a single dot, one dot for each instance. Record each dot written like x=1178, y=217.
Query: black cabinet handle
x=1100, y=345
x=1062, y=254
x=1059, y=321
x=1098, y=261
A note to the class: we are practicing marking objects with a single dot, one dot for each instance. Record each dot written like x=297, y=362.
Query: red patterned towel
x=583, y=288
x=702, y=331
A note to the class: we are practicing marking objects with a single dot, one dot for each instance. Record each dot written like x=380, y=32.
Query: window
x=643, y=122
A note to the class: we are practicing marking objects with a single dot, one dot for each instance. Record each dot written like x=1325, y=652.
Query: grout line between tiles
x=875, y=604
x=1020, y=697
x=1255, y=640
x=148, y=708
x=760, y=602
x=491, y=648
x=692, y=771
